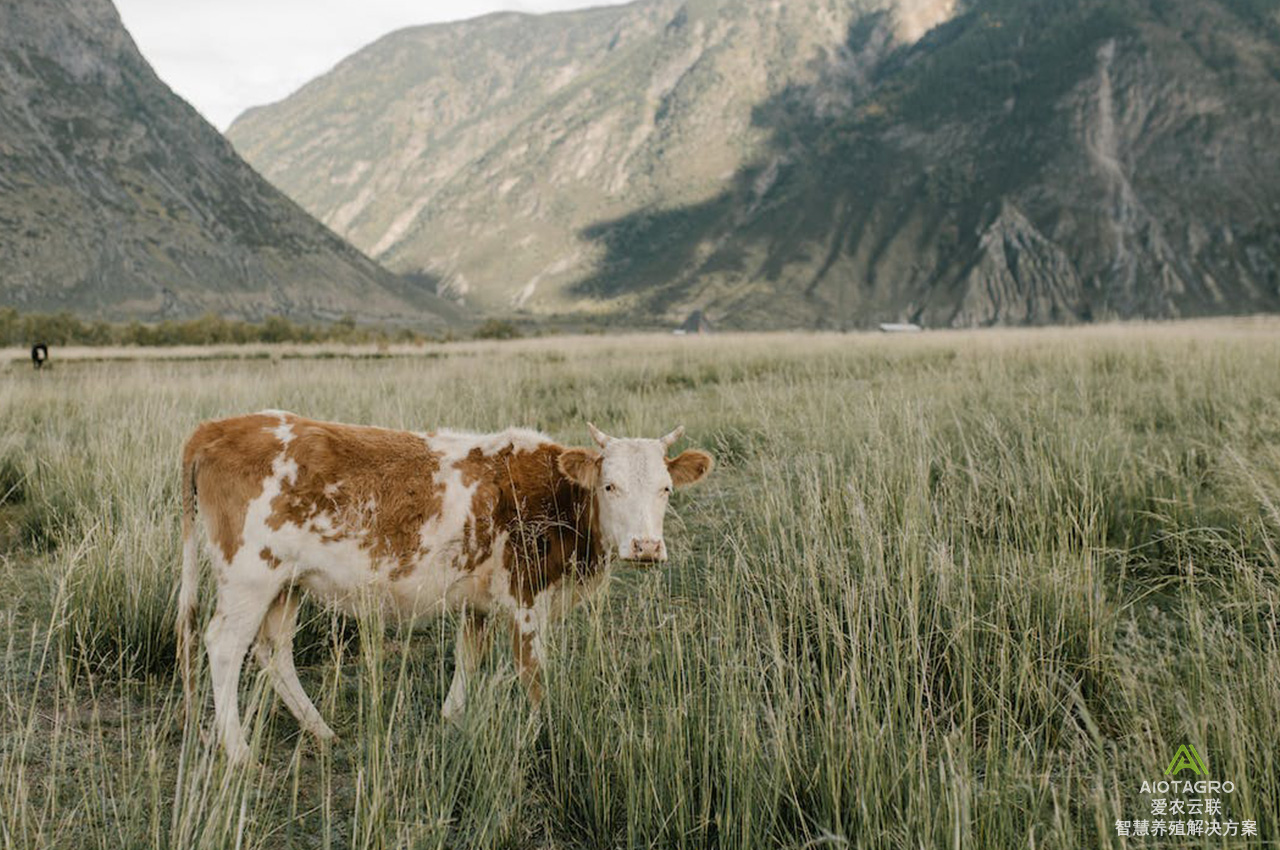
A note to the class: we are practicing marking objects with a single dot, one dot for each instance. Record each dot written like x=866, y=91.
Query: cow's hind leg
x=469, y=650
x=235, y=622
x=274, y=651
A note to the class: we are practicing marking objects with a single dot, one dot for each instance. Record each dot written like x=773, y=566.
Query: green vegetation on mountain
x=118, y=200
x=811, y=163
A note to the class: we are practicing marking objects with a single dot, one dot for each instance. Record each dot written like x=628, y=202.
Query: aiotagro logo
x=1184, y=814
x=1186, y=757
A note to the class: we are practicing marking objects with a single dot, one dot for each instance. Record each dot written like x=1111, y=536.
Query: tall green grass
x=952, y=591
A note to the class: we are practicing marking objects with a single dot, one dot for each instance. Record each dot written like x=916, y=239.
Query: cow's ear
x=689, y=467
x=581, y=466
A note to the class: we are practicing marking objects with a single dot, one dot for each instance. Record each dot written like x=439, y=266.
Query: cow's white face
x=632, y=481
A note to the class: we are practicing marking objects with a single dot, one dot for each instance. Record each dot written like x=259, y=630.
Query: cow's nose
x=648, y=551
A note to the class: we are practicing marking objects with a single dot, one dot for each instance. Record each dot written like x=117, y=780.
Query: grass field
x=954, y=590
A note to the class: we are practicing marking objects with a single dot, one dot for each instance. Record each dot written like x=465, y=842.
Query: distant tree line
x=26, y=329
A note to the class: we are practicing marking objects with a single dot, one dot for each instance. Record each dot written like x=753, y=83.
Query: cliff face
x=815, y=164
x=118, y=200
x=480, y=151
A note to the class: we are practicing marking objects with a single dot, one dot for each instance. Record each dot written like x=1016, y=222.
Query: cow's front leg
x=527, y=649
x=469, y=650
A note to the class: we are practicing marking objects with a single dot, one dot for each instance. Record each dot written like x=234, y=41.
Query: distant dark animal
x=39, y=354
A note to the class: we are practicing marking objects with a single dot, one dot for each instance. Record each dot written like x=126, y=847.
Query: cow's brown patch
x=270, y=557
x=483, y=522
x=373, y=485
x=526, y=662
x=552, y=522
x=225, y=463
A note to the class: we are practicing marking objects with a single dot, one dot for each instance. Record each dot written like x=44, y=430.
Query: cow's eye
x=609, y=488
x=667, y=489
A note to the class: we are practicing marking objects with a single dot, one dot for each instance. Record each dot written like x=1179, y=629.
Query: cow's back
x=291, y=476
x=373, y=486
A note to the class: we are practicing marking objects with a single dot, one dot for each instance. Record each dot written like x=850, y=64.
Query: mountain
x=480, y=151
x=813, y=163
x=118, y=200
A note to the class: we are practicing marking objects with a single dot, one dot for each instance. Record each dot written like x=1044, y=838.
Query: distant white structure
x=891, y=328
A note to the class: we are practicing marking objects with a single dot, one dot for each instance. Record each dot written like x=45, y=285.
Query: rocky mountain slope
x=118, y=200
x=814, y=163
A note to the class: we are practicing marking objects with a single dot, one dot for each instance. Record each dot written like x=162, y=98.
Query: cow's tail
x=188, y=589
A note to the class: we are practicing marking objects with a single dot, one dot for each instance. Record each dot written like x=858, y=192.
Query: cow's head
x=632, y=481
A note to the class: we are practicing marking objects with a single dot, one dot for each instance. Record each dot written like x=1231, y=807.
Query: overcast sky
x=224, y=56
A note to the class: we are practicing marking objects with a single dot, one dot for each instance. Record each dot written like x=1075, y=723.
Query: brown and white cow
x=497, y=526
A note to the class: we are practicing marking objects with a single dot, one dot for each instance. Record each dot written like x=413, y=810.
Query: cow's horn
x=602, y=439
x=671, y=438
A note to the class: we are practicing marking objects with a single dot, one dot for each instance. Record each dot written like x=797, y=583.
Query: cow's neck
x=590, y=552
x=555, y=533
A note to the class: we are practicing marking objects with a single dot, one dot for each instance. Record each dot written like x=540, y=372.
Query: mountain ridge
x=542, y=121
x=815, y=164
x=120, y=201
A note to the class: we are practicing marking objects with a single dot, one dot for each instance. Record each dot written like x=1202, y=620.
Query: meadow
x=956, y=590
